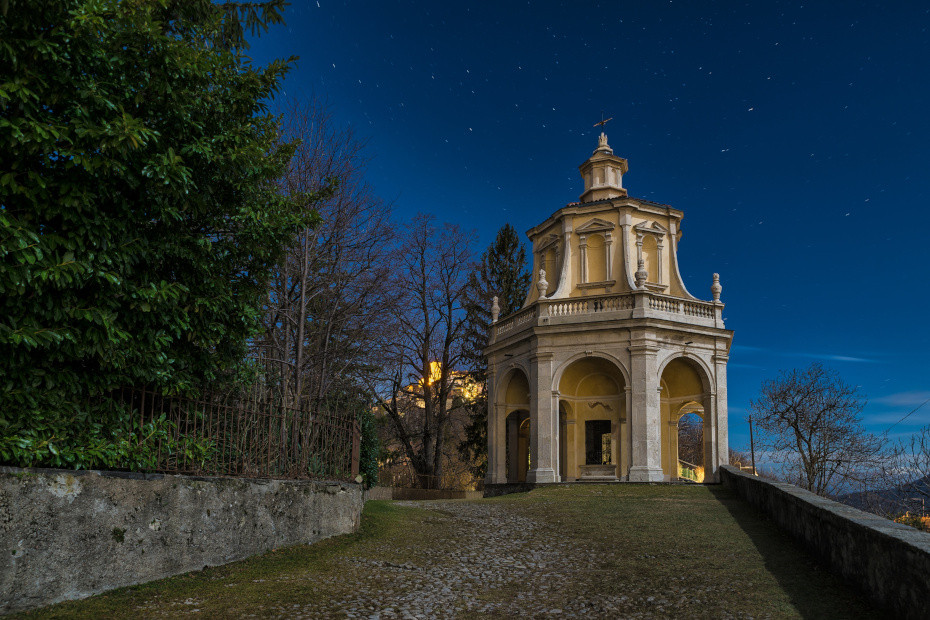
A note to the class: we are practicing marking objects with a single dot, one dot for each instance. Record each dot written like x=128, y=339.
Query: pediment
x=653, y=228
x=547, y=242
x=595, y=225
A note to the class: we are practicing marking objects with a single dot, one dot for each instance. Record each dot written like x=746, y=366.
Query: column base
x=646, y=474
x=541, y=475
x=492, y=479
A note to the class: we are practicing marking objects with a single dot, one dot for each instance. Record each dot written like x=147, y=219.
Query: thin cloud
x=830, y=357
x=743, y=347
x=835, y=358
x=903, y=399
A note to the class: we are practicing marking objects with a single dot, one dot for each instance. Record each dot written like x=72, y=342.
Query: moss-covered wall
x=70, y=534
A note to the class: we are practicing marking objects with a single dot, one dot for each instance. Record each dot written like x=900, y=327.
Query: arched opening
x=592, y=421
x=597, y=258
x=517, y=426
x=563, y=447
x=518, y=445
x=691, y=445
x=685, y=440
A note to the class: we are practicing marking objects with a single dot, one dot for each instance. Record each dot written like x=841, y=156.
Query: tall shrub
x=139, y=217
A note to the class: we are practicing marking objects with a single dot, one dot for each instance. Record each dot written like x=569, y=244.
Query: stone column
x=646, y=413
x=608, y=242
x=660, y=247
x=556, y=449
x=541, y=419
x=627, y=429
x=583, y=248
x=709, y=402
x=513, y=431
x=497, y=436
x=720, y=412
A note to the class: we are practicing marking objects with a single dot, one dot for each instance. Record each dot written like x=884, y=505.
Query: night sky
x=794, y=136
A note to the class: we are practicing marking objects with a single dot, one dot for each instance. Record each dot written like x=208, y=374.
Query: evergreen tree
x=139, y=215
x=502, y=273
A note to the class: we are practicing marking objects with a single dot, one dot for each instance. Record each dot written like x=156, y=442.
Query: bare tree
x=418, y=377
x=321, y=318
x=691, y=440
x=902, y=481
x=811, y=427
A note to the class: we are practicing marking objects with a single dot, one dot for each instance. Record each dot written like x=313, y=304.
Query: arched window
x=597, y=258
x=651, y=259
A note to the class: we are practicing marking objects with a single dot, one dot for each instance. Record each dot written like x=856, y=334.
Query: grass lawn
x=619, y=550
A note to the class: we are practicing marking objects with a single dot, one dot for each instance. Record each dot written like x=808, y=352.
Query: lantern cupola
x=603, y=173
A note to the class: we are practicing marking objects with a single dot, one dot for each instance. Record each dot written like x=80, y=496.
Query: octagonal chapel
x=591, y=378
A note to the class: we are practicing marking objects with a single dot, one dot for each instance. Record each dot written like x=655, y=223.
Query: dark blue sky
x=794, y=136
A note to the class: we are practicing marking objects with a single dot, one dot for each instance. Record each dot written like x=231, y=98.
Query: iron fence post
x=356, y=448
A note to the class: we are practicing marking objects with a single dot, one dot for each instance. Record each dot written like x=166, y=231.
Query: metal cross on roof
x=603, y=121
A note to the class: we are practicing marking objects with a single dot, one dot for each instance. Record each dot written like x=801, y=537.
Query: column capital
x=643, y=348
x=541, y=356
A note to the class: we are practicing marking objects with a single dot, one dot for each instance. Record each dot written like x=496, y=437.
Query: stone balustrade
x=652, y=304
x=515, y=322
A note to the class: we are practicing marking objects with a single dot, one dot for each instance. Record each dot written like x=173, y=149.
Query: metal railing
x=690, y=471
x=238, y=435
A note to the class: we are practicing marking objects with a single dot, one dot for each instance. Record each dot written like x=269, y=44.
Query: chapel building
x=589, y=380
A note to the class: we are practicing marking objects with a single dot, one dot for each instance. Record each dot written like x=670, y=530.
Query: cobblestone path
x=592, y=551
x=502, y=563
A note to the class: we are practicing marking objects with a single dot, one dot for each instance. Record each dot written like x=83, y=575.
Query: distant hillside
x=912, y=497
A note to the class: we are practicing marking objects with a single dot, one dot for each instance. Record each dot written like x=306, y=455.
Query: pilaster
x=497, y=433
x=721, y=413
x=646, y=412
x=542, y=437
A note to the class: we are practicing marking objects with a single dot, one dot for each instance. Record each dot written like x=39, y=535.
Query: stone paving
x=497, y=551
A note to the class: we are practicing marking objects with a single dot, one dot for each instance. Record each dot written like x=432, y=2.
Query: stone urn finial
x=715, y=288
x=495, y=310
x=542, y=285
x=641, y=274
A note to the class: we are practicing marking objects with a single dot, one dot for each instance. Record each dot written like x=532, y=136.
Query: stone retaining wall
x=888, y=561
x=70, y=534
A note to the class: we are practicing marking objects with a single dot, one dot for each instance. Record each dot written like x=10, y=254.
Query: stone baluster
x=641, y=274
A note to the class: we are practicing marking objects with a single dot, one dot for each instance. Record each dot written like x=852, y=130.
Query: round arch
x=704, y=371
x=503, y=379
x=691, y=407
x=594, y=440
x=557, y=375
x=686, y=388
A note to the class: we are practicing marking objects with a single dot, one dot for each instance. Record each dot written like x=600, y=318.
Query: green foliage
x=139, y=217
x=370, y=448
x=501, y=273
x=116, y=442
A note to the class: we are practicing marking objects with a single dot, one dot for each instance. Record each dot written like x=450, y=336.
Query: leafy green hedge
x=370, y=448
x=139, y=216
